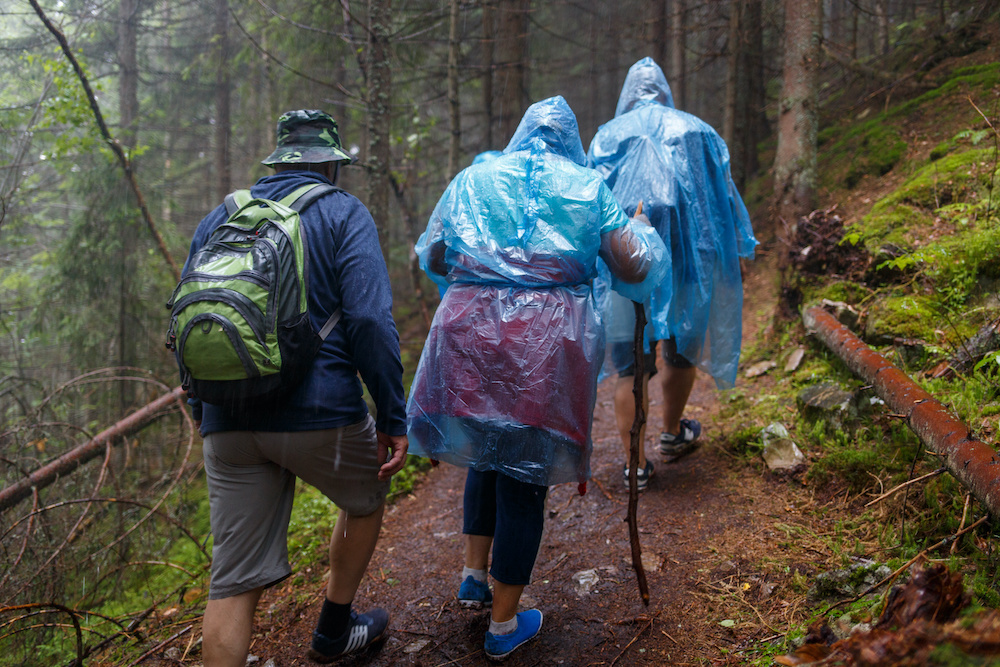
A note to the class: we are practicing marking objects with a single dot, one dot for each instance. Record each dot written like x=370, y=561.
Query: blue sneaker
x=363, y=631
x=474, y=594
x=529, y=624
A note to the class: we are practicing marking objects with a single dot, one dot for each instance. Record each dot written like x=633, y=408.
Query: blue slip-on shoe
x=473, y=594
x=675, y=447
x=529, y=624
x=363, y=631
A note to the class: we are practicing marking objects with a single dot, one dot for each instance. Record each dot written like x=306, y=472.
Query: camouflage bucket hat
x=309, y=136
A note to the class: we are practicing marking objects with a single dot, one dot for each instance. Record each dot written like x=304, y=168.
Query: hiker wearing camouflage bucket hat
x=295, y=230
x=307, y=136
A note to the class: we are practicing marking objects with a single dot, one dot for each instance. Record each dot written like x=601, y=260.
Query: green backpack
x=239, y=320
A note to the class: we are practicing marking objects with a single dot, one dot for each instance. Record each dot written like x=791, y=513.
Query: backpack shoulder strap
x=307, y=194
x=236, y=200
x=331, y=322
x=298, y=201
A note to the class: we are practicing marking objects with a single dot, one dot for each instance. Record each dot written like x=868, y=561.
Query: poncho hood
x=549, y=126
x=644, y=84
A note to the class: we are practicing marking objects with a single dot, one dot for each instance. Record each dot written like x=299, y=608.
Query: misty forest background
x=122, y=123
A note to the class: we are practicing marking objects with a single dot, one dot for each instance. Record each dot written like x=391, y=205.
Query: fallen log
x=973, y=463
x=77, y=456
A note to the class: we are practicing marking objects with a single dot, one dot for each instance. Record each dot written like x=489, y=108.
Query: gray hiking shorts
x=251, y=484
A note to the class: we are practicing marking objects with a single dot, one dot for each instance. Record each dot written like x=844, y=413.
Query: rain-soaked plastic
x=486, y=156
x=508, y=376
x=678, y=167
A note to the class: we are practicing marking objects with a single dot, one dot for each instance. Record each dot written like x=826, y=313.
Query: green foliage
x=310, y=527
x=405, y=479
x=878, y=150
x=902, y=314
x=853, y=458
x=68, y=118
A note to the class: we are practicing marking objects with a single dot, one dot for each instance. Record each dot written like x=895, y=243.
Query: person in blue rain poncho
x=507, y=380
x=678, y=167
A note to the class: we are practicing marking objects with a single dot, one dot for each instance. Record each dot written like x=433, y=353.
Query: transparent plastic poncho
x=678, y=167
x=508, y=375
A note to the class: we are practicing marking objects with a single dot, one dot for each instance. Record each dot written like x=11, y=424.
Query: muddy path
x=714, y=535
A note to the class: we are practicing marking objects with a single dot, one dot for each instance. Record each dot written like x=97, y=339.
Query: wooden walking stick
x=634, y=444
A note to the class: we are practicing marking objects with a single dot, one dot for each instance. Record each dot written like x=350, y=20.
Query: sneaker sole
x=504, y=656
x=473, y=604
x=678, y=454
x=321, y=659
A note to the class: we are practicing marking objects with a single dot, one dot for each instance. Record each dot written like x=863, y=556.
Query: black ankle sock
x=333, y=619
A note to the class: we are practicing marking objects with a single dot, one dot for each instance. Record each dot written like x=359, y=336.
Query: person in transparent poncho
x=678, y=166
x=507, y=379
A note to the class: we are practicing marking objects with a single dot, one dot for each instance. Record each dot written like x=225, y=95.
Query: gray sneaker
x=675, y=447
x=642, y=476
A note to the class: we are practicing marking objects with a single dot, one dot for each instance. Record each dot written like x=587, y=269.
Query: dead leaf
x=804, y=655
x=760, y=368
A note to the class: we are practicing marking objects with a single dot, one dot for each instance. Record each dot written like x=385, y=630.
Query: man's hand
x=398, y=444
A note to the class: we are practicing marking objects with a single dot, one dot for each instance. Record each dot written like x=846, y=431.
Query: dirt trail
x=705, y=524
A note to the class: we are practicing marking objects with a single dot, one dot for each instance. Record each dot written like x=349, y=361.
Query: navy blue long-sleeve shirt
x=346, y=270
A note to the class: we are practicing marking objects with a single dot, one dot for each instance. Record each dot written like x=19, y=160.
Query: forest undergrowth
x=904, y=248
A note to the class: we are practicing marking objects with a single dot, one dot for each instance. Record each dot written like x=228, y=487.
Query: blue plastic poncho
x=486, y=156
x=678, y=166
x=508, y=376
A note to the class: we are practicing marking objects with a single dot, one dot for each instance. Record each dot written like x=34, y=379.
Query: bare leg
x=351, y=547
x=677, y=384
x=506, y=597
x=477, y=551
x=226, y=629
x=625, y=415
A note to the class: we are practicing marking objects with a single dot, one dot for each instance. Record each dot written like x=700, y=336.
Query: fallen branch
x=648, y=625
x=905, y=484
x=73, y=614
x=160, y=645
x=74, y=458
x=970, y=460
x=907, y=564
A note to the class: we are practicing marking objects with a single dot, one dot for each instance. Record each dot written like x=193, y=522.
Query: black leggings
x=513, y=514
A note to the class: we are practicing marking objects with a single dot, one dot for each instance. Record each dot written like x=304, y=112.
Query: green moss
x=843, y=290
x=964, y=261
x=949, y=655
x=950, y=179
x=877, y=152
x=903, y=316
x=953, y=188
x=876, y=146
x=850, y=466
x=966, y=79
x=889, y=224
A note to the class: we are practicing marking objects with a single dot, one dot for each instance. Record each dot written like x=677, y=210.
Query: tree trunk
x=753, y=86
x=128, y=111
x=489, y=49
x=734, y=52
x=379, y=117
x=454, y=106
x=677, y=54
x=744, y=123
x=855, y=10
x=128, y=93
x=795, y=159
x=658, y=35
x=223, y=121
x=882, y=25
x=512, y=63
